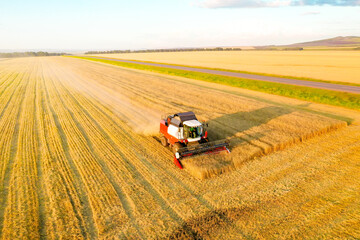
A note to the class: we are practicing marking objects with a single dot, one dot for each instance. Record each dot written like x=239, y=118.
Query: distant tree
x=29, y=54
x=163, y=50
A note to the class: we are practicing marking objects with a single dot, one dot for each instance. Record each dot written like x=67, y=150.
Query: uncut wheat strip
x=297, y=121
x=281, y=133
x=286, y=172
x=22, y=211
x=62, y=203
x=119, y=164
x=103, y=198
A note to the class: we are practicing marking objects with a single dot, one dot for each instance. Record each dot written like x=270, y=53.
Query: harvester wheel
x=176, y=147
x=164, y=141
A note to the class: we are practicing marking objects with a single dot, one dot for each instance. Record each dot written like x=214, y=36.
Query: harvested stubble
x=73, y=165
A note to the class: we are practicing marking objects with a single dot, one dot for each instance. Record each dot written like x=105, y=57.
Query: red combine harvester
x=187, y=136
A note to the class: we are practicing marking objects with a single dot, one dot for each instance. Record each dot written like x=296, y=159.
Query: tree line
x=29, y=54
x=165, y=50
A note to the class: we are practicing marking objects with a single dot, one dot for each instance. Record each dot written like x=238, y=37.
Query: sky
x=145, y=24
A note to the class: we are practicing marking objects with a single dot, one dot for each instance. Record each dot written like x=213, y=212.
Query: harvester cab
x=187, y=136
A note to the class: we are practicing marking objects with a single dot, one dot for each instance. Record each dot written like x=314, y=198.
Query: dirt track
x=73, y=157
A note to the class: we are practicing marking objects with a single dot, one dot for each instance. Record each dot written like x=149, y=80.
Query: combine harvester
x=187, y=136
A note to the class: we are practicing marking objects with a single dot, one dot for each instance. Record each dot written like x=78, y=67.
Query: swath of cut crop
x=9, y=129
x=22, y=192
x=63, y=205
x=102, y=195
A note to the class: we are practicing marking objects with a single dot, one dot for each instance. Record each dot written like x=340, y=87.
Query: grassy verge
x=335, y=98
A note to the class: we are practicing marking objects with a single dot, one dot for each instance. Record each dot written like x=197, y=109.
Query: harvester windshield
x=193, y=132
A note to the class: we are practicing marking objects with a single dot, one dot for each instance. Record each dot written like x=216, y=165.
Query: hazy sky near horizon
x=141, y=24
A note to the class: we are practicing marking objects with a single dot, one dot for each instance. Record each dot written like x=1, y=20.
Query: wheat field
x=79, y=158
x=341, y=66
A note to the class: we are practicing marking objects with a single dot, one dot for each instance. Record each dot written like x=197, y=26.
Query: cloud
x=274, y=3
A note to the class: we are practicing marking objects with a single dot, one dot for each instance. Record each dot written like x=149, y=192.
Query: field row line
x=23, y=177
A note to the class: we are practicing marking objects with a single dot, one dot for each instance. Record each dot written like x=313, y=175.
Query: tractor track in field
x=40, y=176
x=25, y=149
